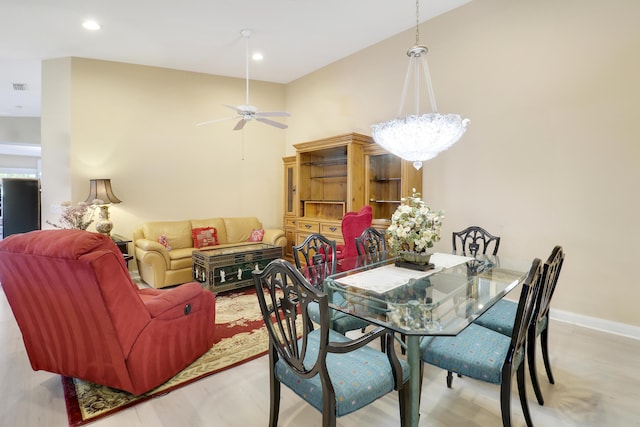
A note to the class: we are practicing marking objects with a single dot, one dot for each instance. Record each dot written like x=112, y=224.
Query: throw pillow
x=204, y=236
x=256, y=235
x=163, y=241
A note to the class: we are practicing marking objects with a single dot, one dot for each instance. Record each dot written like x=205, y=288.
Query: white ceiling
x=296, y=37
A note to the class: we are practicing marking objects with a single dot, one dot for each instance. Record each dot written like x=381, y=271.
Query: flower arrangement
x=414, y=226
x=79, y=216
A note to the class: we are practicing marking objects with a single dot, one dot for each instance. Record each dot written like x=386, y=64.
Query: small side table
x=123, y=245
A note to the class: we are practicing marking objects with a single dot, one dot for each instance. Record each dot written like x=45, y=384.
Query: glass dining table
x=441, y=298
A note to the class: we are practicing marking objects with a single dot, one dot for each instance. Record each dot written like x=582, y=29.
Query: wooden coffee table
x=229, y=268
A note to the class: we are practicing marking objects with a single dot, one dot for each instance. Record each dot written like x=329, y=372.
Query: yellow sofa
x=160, y=267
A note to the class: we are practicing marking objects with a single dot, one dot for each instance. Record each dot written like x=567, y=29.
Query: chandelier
x=416, y=137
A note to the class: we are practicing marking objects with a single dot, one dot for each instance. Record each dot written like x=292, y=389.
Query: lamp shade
x=101, y=189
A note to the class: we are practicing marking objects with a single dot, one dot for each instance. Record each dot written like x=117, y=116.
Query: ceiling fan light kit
x=248, y=112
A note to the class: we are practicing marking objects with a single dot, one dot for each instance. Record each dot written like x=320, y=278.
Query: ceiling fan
x=248, y=112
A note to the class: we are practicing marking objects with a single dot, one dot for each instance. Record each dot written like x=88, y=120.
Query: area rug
x=240, y=336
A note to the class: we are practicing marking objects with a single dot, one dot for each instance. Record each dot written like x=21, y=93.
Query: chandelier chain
x=417, y=22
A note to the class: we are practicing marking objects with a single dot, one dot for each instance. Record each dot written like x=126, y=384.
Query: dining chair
x=481, y=353
x=475, y=240
x=501, y=315
x=315, y=258
x=370, y=244
x=334, y=374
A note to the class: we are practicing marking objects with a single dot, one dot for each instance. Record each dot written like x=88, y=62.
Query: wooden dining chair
x=334, y=374
x=500, y=318
x=371, y=244
x=481, y=353
x=315, y=258
x=475, y=240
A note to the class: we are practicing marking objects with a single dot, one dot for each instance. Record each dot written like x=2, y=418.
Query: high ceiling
x=296, y=37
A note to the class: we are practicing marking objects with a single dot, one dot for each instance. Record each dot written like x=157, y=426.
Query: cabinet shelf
x=328, y=162
x=384, y=201
x=327, y=177
x=385, y=179
x=324, y=208
x=388, y=179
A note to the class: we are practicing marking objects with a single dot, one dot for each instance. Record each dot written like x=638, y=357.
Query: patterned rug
x=240, y=337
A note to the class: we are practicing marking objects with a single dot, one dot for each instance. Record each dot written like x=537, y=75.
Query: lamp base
x=104, y=225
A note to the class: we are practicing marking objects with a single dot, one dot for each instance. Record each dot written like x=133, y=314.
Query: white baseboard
x=603, y=325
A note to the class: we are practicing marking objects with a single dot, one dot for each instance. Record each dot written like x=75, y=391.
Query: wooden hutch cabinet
x=332, y=176
x=290, y=203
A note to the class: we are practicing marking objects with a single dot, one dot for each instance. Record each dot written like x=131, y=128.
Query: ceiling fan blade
x=240, y=124
x=247, y=111
x=272, y=114
x=271, y=122
x=215, y=121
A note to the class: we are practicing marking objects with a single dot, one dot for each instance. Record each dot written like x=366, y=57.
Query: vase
x=419, y=258
x=104, y=224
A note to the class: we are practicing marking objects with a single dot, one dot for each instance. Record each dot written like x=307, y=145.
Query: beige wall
x=137, y=126
x=55, y=126
x=552, y=154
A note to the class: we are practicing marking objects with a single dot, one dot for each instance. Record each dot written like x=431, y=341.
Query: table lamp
x=101, y=189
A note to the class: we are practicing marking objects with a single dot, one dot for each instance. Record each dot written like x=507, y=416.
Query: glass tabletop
x=442, y=300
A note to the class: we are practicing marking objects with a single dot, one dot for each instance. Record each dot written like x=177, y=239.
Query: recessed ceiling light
x=91, y=25
x=257, y=56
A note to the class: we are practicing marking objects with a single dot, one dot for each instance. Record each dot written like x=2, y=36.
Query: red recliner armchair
x=82, y=316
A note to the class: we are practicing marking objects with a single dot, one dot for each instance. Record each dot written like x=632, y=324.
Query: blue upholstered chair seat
x=340, y=322
x=351, y=373
x=476, y=352
x=501, y=316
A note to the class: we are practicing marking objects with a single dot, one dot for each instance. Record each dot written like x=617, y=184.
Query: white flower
x=414, y=226
x=80, y=216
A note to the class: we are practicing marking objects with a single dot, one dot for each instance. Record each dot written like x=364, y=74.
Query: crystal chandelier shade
x=417, y=137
